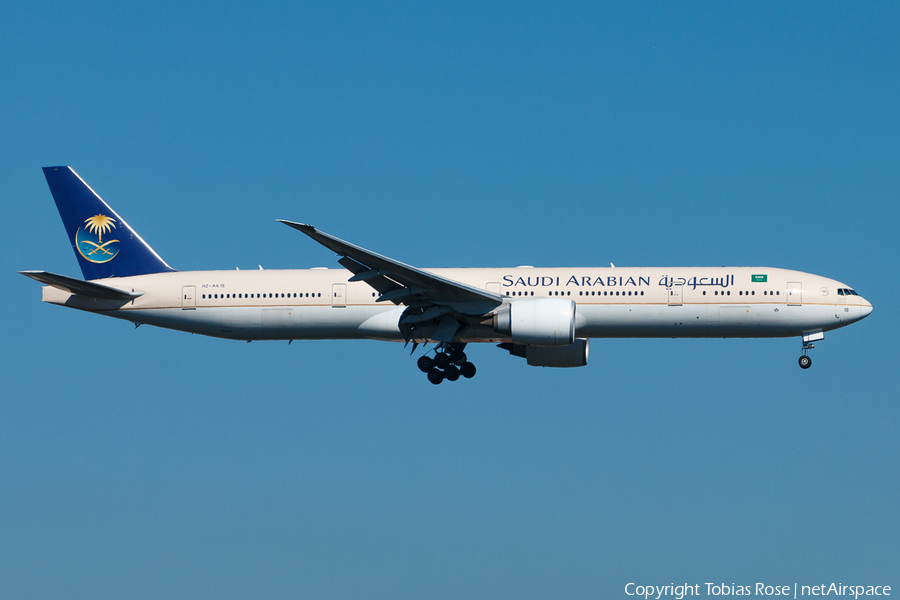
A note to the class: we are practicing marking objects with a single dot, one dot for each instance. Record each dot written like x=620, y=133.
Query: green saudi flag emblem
x=758, y=278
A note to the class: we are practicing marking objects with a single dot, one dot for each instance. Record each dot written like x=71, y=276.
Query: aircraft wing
x=82, y=288
x=401, y=283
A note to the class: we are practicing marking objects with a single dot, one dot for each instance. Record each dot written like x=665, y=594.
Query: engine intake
x=538, y=322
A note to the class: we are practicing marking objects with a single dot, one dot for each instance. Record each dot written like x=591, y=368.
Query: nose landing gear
x=808, y=339
x=805, y=361
x=449, y=362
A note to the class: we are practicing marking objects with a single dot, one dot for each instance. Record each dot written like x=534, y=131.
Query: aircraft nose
x=865, y=310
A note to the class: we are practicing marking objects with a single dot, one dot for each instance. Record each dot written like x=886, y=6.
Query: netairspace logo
x=678, y=592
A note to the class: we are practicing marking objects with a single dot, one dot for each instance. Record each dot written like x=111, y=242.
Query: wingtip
x=295, y=225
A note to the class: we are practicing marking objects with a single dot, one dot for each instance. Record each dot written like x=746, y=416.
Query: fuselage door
x=794, y=293
x=339, y=295
x=674, y=295
x=188, y=297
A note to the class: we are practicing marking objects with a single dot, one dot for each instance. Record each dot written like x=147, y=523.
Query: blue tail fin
x=104, y=244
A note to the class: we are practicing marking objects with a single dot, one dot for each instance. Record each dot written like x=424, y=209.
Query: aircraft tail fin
x=104, y=244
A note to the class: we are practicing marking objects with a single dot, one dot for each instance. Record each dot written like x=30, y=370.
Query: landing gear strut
x=805, y=361
x=449, y=362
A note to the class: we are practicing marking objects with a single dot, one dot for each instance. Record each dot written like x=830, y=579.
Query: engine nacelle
x=573, y=355
x=538, y=322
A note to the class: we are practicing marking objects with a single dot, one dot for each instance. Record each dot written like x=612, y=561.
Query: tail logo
x=89, y=239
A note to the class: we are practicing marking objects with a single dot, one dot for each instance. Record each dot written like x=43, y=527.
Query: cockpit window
x=840, y=291
x=846, y=292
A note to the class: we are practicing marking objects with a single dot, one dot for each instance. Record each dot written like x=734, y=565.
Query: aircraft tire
x=424, y=363
x=452, y=373
x=467, y=370
x=435, y=376
x=441, y=360
x=458, y=357
x=805, y=362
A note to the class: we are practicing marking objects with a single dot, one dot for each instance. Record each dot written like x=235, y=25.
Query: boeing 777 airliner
x=546, y=315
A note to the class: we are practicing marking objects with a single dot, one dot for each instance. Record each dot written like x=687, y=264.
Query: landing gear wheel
x=805, y=362
x=441, y=360
x=467, y=370
x=458, y=357
x=424, y=363
x=435, y=376
x=452, y=373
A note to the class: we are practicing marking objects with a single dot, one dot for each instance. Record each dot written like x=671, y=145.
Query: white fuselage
x=610, y=302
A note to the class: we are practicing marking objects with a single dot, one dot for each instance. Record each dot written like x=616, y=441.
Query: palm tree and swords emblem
x=89, y=239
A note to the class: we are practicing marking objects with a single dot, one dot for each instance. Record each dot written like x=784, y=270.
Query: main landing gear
x=449, y=362
x=805, y=361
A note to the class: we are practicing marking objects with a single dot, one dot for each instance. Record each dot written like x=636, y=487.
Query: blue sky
x=149, y=463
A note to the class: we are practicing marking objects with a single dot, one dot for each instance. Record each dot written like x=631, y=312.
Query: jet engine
x=538, y=322
x=573, y=355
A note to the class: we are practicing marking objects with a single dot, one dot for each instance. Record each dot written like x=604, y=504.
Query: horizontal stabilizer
x=82, y=288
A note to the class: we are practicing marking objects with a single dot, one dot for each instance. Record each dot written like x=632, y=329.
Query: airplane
x=545, y=315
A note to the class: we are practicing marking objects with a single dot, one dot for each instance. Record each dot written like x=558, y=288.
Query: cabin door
x=794, y=293
x=339, y=295
x=674, y=295
x=188, y=297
